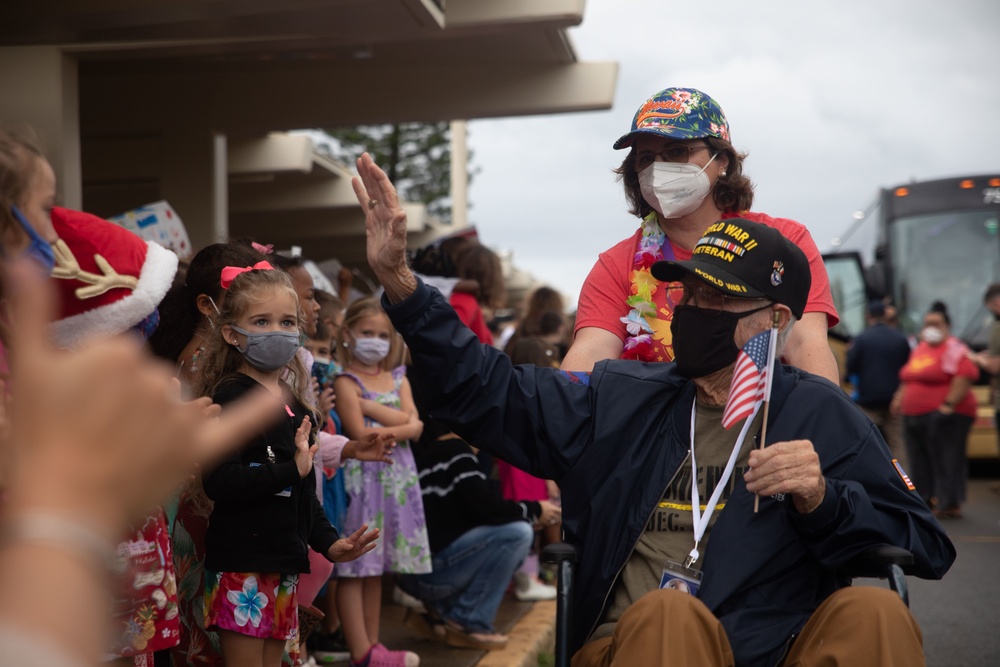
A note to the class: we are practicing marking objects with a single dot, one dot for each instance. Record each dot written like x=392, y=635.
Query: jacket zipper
x=634, y=544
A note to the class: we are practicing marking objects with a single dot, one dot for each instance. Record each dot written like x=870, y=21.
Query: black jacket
x=876, y=356
x=265, y=515
x=614, y=439
x=457, y=497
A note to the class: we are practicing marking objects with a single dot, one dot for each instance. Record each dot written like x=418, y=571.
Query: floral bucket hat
x=678, y=113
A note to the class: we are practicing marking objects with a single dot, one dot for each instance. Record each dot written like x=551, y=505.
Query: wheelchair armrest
x=875, y=562
x=883, y=562
x=553, y=554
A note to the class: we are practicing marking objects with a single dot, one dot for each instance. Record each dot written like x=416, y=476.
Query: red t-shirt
x=471, y=314
x=602, y=299
x=927, y=377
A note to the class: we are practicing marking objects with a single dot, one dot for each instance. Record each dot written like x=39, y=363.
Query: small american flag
x=902, y=473
x=751, y=378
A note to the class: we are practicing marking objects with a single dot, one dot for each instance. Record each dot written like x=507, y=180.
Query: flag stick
x=763, y=436
x=772, y=344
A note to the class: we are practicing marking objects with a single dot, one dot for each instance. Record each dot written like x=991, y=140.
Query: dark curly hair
x=179, y=314
x=733, y=192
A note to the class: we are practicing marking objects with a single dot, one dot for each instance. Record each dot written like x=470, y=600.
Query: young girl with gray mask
x=266, y=510
x=374, y=396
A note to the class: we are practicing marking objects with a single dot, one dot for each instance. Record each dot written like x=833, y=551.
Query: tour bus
x=937, y=241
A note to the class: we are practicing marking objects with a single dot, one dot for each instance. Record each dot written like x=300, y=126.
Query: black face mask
x=703, y=339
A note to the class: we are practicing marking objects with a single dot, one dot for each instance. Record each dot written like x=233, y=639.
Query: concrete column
x=40, y=88
x=459, y=175
x=194, y=180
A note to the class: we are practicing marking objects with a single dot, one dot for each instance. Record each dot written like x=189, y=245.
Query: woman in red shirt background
x=938, y=407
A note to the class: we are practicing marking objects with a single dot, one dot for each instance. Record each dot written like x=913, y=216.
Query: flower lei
x=638, y=322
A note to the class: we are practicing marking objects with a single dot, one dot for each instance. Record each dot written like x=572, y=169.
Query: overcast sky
x=832, y=100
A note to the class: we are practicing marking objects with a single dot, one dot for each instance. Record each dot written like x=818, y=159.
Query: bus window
x=847, y=285
x=949, y=257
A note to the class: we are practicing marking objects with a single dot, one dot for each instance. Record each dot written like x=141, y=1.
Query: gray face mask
x=271, y=350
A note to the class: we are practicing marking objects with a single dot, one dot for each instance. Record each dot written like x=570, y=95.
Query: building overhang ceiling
x=264, y=65
x=150, y=70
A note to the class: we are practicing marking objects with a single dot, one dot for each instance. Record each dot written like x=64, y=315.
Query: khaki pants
x=859, y=626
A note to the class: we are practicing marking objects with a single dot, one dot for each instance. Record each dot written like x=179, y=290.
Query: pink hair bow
x=230, y=272
x=263, y=249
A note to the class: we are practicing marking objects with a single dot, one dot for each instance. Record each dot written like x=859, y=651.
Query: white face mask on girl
x=674, y=189
x=370, y=351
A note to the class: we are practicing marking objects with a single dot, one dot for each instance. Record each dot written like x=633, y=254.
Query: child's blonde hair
x=356, y=312
x=223, y=360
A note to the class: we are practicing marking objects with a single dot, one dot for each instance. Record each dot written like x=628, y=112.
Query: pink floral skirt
x=257, y=604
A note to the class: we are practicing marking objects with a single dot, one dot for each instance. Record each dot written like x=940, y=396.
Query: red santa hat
x=108, y=278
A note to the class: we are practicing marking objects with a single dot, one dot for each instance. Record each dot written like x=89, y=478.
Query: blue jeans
x=471, y=574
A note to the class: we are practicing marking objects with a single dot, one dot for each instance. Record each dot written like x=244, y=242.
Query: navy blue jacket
x=875, y=358
x=614, y=443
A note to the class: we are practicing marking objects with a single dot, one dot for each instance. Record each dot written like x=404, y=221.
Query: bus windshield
x=949, y=257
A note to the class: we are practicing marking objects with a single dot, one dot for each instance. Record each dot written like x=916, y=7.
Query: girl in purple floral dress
x=373, y=395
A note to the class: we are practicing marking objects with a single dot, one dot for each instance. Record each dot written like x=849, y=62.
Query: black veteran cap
x=746, y=259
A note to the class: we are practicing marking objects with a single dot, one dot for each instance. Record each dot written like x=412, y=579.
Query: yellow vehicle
x=937, y=241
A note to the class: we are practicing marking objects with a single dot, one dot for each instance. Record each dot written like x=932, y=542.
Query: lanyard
x=699, y=520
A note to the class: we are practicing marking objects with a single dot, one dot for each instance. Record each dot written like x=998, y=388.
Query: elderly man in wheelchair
x=715, y=517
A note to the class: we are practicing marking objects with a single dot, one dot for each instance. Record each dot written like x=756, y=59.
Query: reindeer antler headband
x=109, y=279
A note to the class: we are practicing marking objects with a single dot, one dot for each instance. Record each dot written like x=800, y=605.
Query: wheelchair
x=878, y=562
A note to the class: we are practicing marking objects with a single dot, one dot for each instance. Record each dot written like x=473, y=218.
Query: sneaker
x=530, y=589
x=380, y=656
x=404, y=599
x=328, y=647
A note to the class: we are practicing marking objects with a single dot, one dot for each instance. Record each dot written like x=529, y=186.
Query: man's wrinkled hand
x=790, y=467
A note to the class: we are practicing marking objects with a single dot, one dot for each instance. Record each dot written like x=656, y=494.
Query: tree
x=416, y=157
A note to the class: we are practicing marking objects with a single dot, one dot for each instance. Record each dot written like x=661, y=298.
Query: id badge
x=684, y=579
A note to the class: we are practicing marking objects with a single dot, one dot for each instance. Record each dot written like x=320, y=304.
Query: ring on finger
x=372, y=203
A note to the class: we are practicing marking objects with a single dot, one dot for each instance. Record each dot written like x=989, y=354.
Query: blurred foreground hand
x=101, y=433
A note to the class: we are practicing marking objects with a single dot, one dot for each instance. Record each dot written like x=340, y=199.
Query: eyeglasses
x=710, y=300
x=677, y=153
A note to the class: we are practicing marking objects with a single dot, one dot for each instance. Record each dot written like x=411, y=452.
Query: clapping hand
x=327, y=399
x=354, y=546
x=303, y=452
x=375, y=447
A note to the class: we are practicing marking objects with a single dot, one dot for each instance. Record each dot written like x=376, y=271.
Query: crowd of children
x=341, y=456
x=238, y=569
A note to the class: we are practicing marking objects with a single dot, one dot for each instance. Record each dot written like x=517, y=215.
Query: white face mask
x=370, y=351
x=674, y=189
x=932, y=335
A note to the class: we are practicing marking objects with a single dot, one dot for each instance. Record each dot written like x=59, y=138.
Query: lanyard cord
x=699, y=520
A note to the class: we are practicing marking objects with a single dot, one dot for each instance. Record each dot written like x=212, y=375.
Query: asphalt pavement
x=960, y=615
